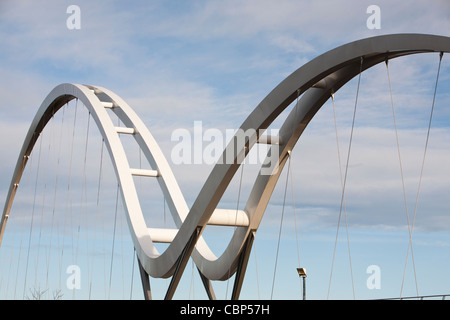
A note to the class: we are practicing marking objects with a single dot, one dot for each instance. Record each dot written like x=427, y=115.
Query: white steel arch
x=314, y=82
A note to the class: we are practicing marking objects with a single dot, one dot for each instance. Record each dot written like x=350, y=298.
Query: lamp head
x=301, y=272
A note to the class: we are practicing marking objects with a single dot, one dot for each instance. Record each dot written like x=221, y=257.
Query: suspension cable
x=113, y=242
x=27, y=182
x=295, y=217
x=32, y=218
x=256, y=272
x=99, y=190
x=68, y=209
x=122, y=253
x=192, y=284
x=344, y=182
x=83, y=199
x=44, y=197
x=423, y=164
x=235, y=219
x=58, y=160
x=293, y=198
x=281, y=226
x=132, y=273
x=402, y=175
x=340, y=172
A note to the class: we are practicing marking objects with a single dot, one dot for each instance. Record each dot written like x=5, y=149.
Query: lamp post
x=302, y=274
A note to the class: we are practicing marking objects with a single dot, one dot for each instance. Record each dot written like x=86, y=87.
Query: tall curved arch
x=315, y=81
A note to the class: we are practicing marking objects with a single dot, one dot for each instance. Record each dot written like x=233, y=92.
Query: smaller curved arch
x=89, y=96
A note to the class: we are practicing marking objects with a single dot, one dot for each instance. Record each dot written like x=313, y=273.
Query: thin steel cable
x=340, y=165
x=132, y=273
x=295, y=216
x=68, y=209
x=256, y=272
x=293, y=198
x=113, y=242
x=105, y=277
x=121, y=248
x=343, y=189
x=32, y=219
x=192, y=285
x=279, y=232
x=114, y=233
x=235, y=219
x=402, y=174
x=58, y=161
x=44, y=197
x=83, y=199
x=96, y=214
x=422, y=167
x=27, y=181
x=8, y=277
x=341, y=180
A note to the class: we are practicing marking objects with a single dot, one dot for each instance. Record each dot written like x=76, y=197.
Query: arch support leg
x=242, y=266
x=208, y=286
x=181, y=264
x=145, y=282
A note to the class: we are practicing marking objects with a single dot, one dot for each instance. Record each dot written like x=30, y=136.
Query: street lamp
x=302, y=274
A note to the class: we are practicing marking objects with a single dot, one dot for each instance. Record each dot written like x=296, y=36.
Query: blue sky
x=176, y=62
